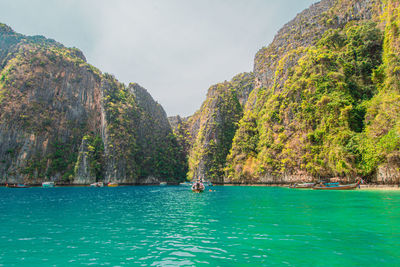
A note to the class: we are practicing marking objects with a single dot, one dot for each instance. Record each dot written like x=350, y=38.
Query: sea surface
x=171, y=226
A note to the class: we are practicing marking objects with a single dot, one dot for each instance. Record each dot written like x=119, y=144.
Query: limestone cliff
x=323, y=103
x=61, y=119
x=318, y=86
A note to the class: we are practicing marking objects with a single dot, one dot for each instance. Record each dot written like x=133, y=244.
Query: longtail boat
x=336, y=186
x=17, y=186
x=198, y=187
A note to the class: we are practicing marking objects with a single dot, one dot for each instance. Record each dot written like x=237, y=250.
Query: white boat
x=47, y=184
x=186, y=184
x=97, y=184
x=163, y=183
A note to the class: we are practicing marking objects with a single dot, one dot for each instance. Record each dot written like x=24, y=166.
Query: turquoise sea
x=171, y=226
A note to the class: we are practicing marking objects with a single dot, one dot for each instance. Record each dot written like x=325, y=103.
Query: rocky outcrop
x=387, y=174
x=175, y=121
x=83, y=171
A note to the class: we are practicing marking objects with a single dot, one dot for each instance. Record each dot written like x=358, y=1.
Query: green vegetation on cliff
x=331, y=111
x=314, y=122
x=381, y=142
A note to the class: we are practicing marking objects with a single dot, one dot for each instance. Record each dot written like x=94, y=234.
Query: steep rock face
x=48, y=98
x=175, y=121
x=180, y=127
x=121, y=117
x=213, y=126
x=381, y=140
x=313, y=123
x=61, y=119
x=84, y=172
x=317, y=109
x=160, y=154
x=8, y=44
x=243, y=85
x=305, y=30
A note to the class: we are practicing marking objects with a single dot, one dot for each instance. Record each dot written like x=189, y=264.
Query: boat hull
x=340, y=187
x=17, y=186
x=48, y=184
x=197, y=190
x=97, y=184
x=303, y=186
x=198, y=187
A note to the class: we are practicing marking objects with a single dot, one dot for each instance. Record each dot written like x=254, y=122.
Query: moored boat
x=112, y=184
x=163, y=183
x=186, y=184
x=47, y=184
x=337, y=186
x=97, y=184
x=17, y=186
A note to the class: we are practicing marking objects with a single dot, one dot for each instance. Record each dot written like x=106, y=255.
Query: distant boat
x=112, y=185
x=186, y=184
x=163, y=183
x=17, y=186
x=198, y=187
x=47, y=184
x=303, y=185
x=336, y=186
x=97, y=184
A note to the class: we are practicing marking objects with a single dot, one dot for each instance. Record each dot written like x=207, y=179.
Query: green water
x=171, y=226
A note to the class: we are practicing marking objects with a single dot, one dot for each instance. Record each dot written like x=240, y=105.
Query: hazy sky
x=176, y=49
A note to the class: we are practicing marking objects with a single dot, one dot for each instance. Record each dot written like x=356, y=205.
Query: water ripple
x=170, y=226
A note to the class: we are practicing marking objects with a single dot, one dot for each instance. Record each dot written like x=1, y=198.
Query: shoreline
x=81, y=185
x=380, y=187
x=362, y=187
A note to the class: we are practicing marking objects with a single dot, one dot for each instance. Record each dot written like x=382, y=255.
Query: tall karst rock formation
x=62, y=119
x=213, y=127
x=324, y=104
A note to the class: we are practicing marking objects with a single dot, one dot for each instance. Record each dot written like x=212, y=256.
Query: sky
x=176, y=49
